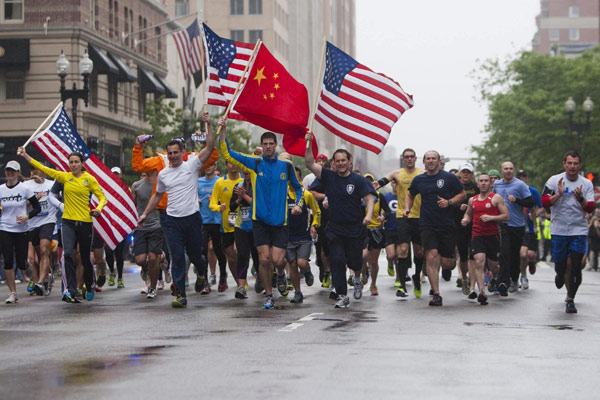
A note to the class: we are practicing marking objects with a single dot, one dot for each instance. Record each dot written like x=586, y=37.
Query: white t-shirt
x=14, y=203
x=568, y=218
x=308, y=180
x=181, y=185
x=48, y=213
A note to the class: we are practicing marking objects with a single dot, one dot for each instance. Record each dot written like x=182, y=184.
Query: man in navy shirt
x=439, y=191
x=346, y=227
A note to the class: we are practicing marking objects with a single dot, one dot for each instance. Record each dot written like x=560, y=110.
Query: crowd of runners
x=261, y=217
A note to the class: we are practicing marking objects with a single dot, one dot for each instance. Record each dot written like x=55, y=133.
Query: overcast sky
x=430, y=47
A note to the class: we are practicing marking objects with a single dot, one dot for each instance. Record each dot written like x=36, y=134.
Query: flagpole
x=203, y=84
x=43, y=124
x=319, y=83
x=258, y=42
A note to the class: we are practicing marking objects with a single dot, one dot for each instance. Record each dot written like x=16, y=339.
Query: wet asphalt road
x=123, y=346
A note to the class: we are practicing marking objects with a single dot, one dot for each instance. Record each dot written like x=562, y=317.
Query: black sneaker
x=492, y=285
x=482, y=299
x=38, y=290
x=282, y=284
x=333, y=295
x=503, y=289
x=258, y=286
x=309, y=278
x=472, y=295
x=431, y=292
x=199, y=285
x=570, y=309
x=447, y=274
x=101, y=280
x=436, y=300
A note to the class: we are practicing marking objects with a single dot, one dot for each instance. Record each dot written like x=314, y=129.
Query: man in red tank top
x=485, y=210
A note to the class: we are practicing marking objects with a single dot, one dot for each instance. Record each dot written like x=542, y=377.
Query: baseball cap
x=321, y=157
x=494, y=172
x=14, y=165
x=370, y=177
x=116, y=170
x=521, y=173
x=467, y=166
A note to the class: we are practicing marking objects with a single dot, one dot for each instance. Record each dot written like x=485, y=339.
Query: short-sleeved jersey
x=48, y=213
x=221, y=194
x=402, y=184
x=471, y=190
x=143, y=192
x=568, y=218
x=520, y=190
x=430, y=187
x=392, y=201
x=14, y=203
x=181, y=185
x=205, y=189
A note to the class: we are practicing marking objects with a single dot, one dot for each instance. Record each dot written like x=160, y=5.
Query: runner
x=439, y=190
x=346, y=226
x=485, y=211
x=569, y=196
x=118, y=253
x=463, y=242
x=321, y=244
x=390, y=234
x=529, y=248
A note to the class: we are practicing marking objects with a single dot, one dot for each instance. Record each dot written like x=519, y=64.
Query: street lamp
x=86, y=67
x=187, y=117
x=579, y=127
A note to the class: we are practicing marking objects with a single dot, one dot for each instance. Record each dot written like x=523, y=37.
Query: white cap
x=467, y=166
x=116, y=170
x=14, y=165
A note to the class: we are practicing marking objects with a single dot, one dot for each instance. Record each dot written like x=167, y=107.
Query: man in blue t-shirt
x=440, y=191
x=517, y=196
x=346, y=227
x=529, y=247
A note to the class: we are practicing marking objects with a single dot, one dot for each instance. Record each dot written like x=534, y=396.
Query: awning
x=149, y=83
x=169, y=92
x=102, y=64
x=14, y=53
x=125, y=73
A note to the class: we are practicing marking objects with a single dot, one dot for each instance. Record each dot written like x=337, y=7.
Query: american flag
x=226, y=61
x=119, y=216
x=188, y=45
x=357, y=104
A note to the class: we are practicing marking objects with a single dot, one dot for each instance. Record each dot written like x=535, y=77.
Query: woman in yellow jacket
x=76, y=221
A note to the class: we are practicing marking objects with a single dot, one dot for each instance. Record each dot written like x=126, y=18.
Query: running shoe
x=144, y=290
x=333, y=295
x=258, y=286
x=570, y=309
x=390, y=269
x=446, y=274
x=532, y=268
x=12, y=298
x=120, y=283
x=269, y=302
x=397, y=284
x=482, y=299
x=416, y=286
x=97, y=289
x=69, y=298
x=179, y=302
x=213, y=279
x=472, y=295
x=253, y=271
x=173, y=289
x=343, y=301
x=492, y=285
x=289, y=284
x=199, y=285
x=206, y=289
x=514, y=286
x=524, y=282
x=503, y=289
x=240, y=293
x=101, y=280
x=48, y=285
x=89, y=295
x=466, y=290
x=459, y=283
x=152, y=293
x=282, y=285
x=298, y=298
x=222, y=283
x=436, y=300
x=160, y=285
x=326, y=280
x=111, y=280
x=38, y=290
x=350, y=281
x=309, y=278
x=401, y=292
x=30, y=286
x=358, y=287
x=407, y=278
x=373, y=290
x=78, y=297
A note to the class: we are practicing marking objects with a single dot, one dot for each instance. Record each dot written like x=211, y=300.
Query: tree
x=527, y=123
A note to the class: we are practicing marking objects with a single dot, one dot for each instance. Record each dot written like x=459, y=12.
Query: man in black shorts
x=439, y=190
x=463, y=242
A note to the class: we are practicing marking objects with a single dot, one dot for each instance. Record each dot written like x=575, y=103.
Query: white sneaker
x=151, y=293
x=343, y=302
x=524, y=282
x=144, y=290
x=160, y=285
x=12, y=298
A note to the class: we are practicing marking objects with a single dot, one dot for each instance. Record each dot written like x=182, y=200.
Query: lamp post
x=579, y=127
x=187, y=117
x=85, y=69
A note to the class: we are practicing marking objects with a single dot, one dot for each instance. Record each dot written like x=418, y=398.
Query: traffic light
x=592, y=177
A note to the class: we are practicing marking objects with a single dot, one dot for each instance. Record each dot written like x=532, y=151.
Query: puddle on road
x=355, y=317
x=523, y=326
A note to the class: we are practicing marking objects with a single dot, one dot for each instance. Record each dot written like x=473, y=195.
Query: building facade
x=124, y=38
x=567, y=27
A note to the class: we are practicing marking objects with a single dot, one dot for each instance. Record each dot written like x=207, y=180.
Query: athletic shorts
x=97, y=242
x=45, y=231
x=463, y=243
x=530, y=241
x=391, y=237
x=322, y=240
x=441, y=238
x=408, y=230
x=488, y=244
x=374, y=239
x=148, y=241
x=276, y=236
x=227, y=239
x=298, y=250
x=563, y=245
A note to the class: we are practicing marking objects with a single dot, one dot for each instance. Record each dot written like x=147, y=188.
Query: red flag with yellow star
x=272, y=99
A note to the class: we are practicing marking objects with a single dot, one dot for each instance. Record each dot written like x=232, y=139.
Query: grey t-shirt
x=143, y=192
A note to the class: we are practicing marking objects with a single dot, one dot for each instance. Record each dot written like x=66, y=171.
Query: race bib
x=231, y=218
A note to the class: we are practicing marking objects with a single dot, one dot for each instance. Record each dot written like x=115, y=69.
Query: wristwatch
x=449, y=202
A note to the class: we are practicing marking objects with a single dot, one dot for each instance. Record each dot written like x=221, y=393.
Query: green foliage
x=527, y=122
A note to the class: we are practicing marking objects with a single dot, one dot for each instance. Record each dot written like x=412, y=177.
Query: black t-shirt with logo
x=442, y=184
x=471, y=190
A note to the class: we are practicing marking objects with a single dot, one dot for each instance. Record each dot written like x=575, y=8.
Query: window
x=254, y=35
x=237, y=36
x=12, y=86
x=554, y=35
x=237, y=7
x=94, y=14
x=182, y=7
x=574, y=34
x=131, y=26
x=158, y=44
x=12, y=10
x=255, y=7
x=574, y=12
x=113, y=93
x=93, y=87
x=145, y=37
x=117, y=34
x=126, y=27
x=110, y=19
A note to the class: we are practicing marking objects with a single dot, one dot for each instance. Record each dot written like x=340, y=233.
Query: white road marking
x=290, y=327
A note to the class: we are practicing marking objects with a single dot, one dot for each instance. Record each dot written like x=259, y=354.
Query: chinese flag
x=274, y=100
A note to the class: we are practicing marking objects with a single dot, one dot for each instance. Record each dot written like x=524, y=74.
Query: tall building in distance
x=567, y=27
